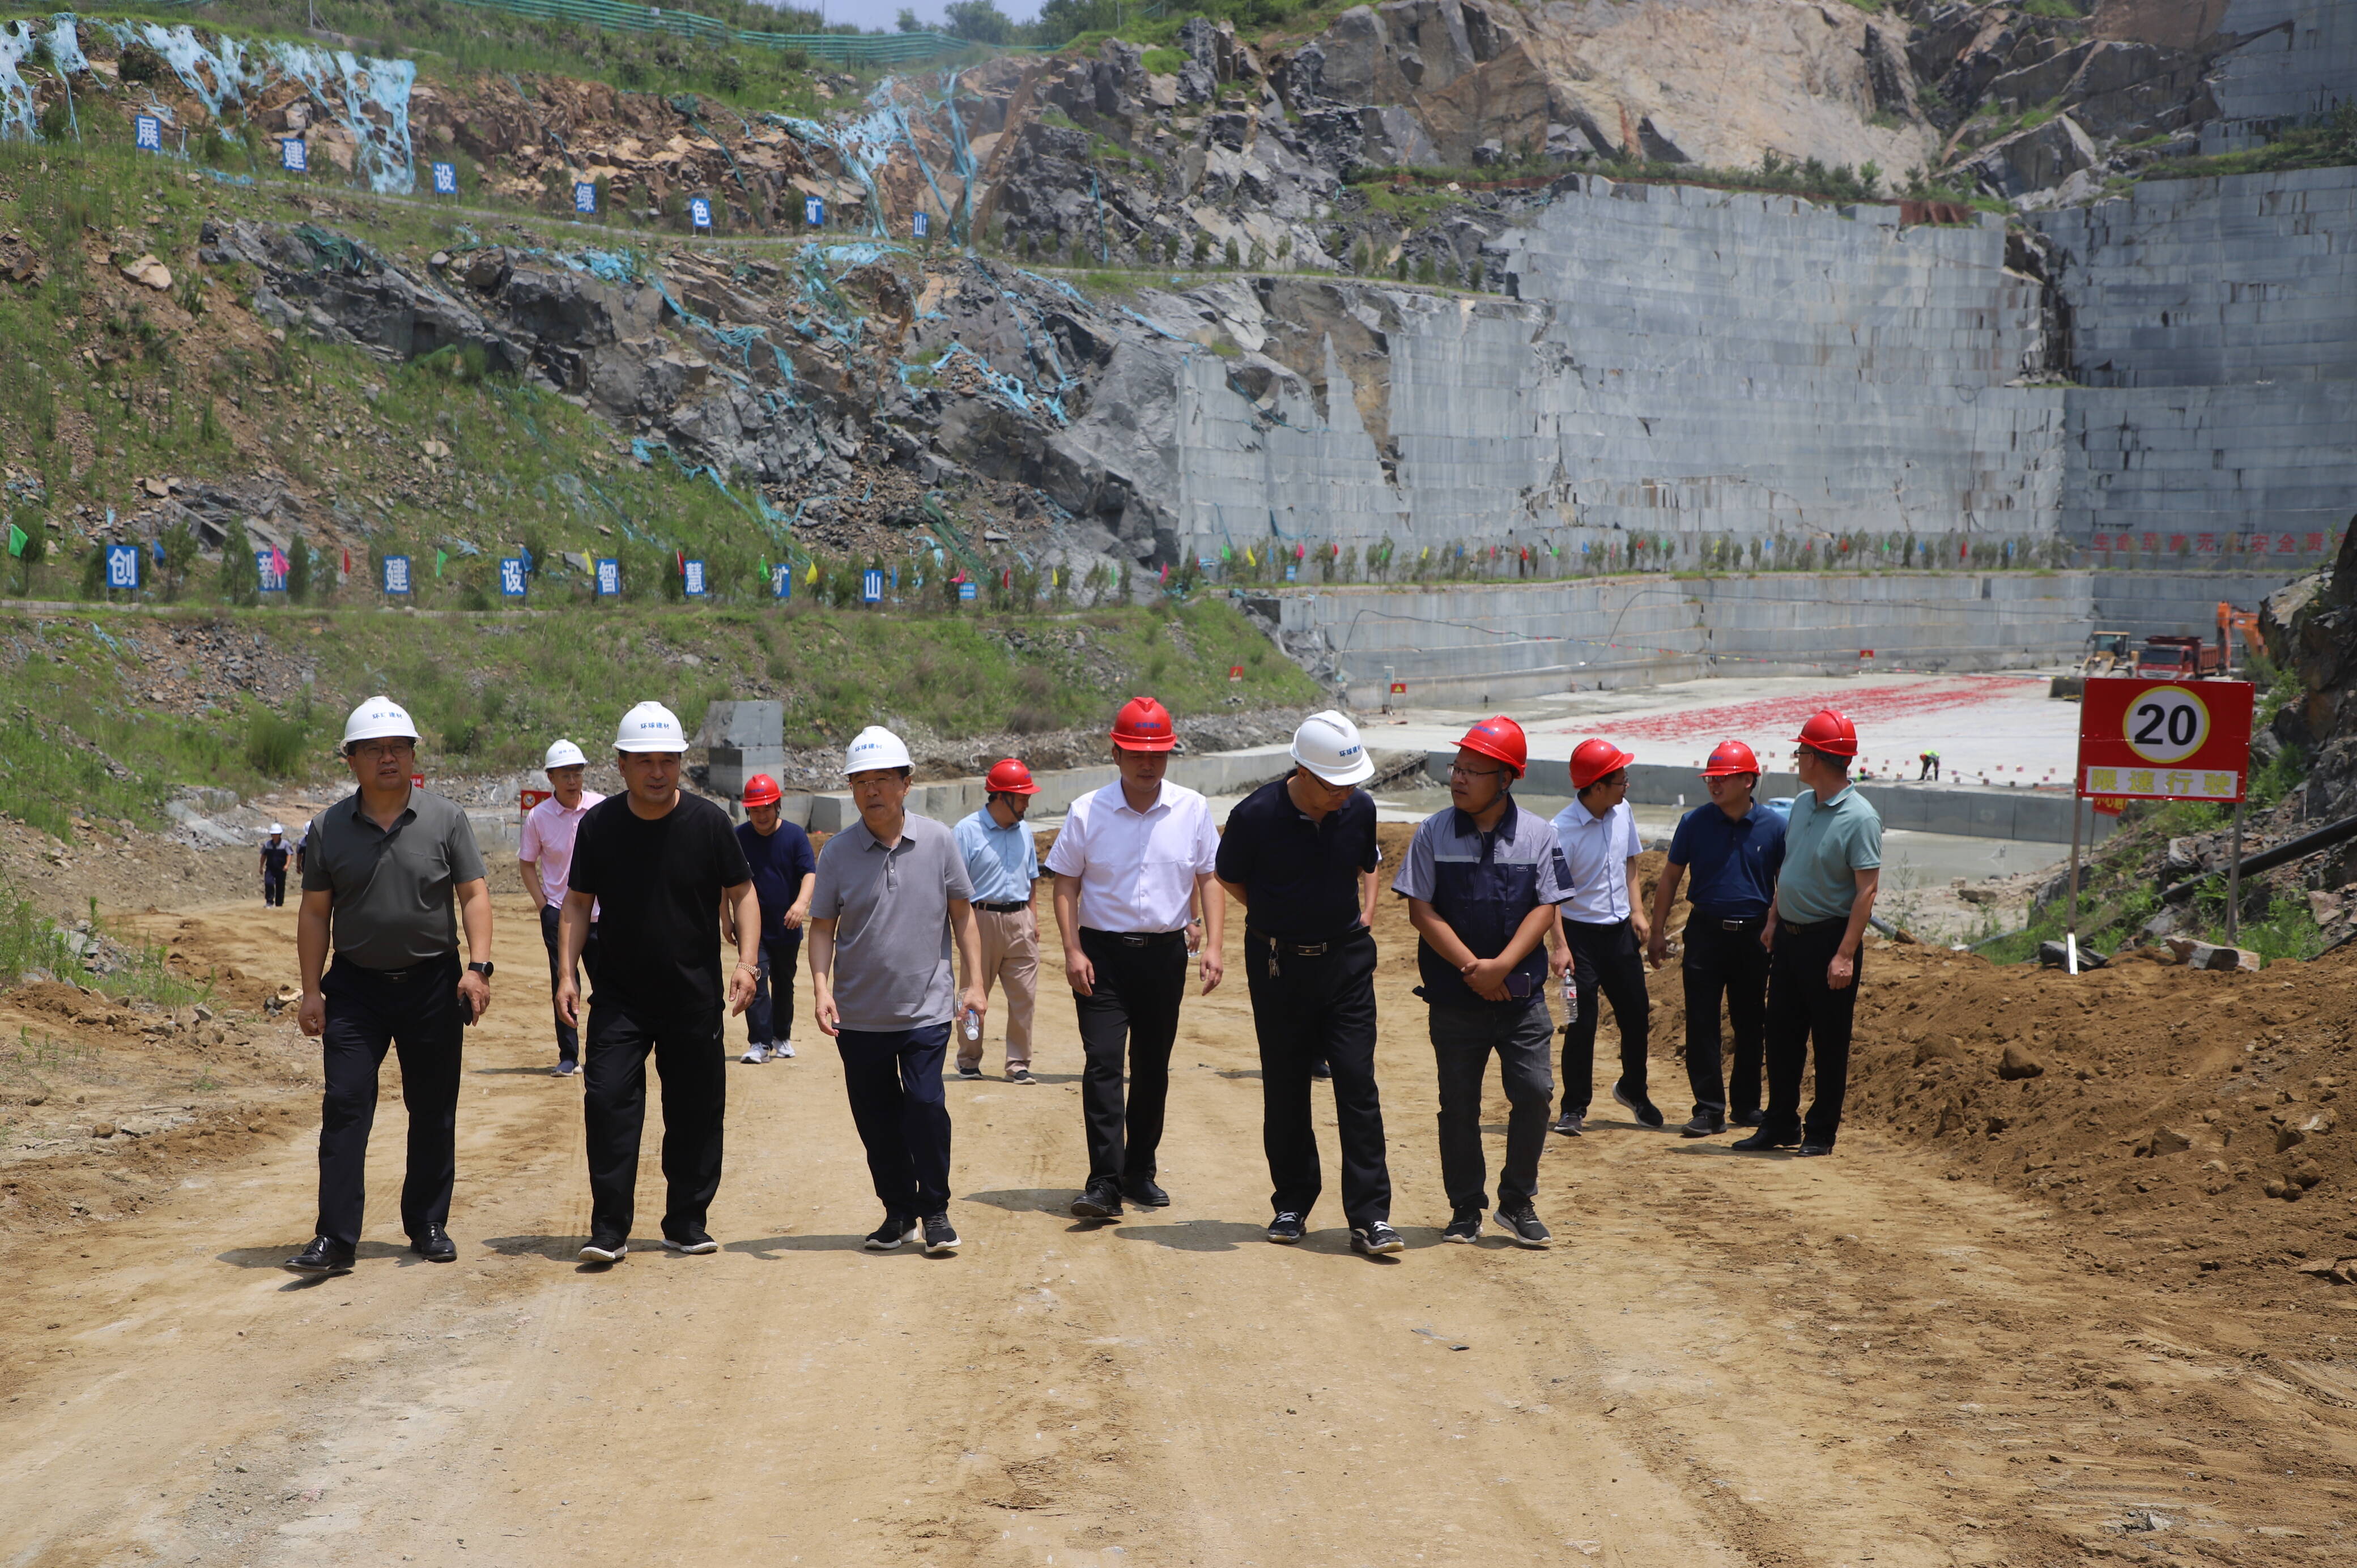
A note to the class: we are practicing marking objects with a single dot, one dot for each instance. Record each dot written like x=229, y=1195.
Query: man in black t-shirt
x=274, y=868
x=1300, y=856
x=658, y=865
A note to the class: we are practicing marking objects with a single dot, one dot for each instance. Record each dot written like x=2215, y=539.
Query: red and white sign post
x=2162, y=740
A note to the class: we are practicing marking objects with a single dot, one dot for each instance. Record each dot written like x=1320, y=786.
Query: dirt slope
x=1727, y=1361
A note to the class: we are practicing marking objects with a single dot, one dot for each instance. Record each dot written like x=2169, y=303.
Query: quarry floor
x=1913, y=1353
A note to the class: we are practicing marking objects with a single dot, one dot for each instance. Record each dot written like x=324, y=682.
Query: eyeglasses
x=1459, y=770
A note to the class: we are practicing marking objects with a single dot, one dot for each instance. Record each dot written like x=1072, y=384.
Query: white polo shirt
x=1597, y=849
x=1137, y=869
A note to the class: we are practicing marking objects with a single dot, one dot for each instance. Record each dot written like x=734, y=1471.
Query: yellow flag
x=812, y=575
x=1251, y=559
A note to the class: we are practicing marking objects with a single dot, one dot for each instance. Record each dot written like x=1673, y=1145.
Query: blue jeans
x=894, y=1081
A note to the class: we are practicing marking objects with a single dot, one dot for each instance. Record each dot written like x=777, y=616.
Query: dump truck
x=2183, y=658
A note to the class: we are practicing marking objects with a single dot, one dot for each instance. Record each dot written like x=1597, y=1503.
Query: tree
x=1229, y=254
x=240, y=585
x=180, y=542
x=299, y=570
x=977, y=21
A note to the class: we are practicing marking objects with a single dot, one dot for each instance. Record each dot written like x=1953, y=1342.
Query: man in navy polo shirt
x=1483, y=879
x=1734, y=847
x=1300, y=856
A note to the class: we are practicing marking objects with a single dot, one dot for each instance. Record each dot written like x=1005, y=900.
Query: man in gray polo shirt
x=891, y=891
x=385, y=865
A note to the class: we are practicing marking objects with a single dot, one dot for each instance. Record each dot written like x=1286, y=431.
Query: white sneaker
x=755, y=1055
x=781, y=1050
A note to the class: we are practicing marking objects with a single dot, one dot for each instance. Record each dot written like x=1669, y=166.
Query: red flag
x=1007, y=576
x=1166, y=575
x=348, y=561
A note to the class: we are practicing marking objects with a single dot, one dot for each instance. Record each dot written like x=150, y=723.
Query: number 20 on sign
x=2164, y=740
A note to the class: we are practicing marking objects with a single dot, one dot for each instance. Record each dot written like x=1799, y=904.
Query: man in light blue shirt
x=1003, y=866
x=1824, y=896
x=1604, y=928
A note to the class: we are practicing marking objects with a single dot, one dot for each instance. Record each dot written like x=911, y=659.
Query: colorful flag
x=278, y=563
x=17, y=540
x=440, y=556
x=348, y=562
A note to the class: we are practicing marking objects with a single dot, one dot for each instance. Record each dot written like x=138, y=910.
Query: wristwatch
x=484, y=969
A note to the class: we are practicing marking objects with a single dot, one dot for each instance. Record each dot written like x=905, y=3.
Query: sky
x=880, y=12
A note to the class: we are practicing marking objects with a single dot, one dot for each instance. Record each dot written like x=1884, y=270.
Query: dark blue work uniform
x=1485, y=886
x=275, y=851
x=780, y=862
x=1731, y=868
x=1309, y=964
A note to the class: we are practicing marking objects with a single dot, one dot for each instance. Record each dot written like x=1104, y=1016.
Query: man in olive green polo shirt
x=1825, y=894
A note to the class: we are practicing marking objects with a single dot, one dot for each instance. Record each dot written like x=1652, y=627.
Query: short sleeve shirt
x=1001, y=863
x=1825, y=845
x=1596, y=854
x=891, y=914
x=1301, y=876
x=392, y=891
x=1731, y=864
x=658, y=886
x=1137, y=869
x=547, y=842
x=1484, y=885
x=778, y=861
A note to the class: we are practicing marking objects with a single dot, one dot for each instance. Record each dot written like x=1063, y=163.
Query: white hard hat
x=278, y=828
x=563, y=753
x=1328, y=745
x=874, y=746
x=650, y=727
x=379, y=718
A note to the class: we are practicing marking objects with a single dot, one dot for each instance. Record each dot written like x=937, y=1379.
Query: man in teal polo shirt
x=1824, y=893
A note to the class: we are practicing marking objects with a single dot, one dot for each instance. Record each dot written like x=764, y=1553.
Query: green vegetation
x=2327, y=145
x=31, y=943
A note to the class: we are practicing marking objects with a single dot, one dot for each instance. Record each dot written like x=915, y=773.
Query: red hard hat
x=1008, y=776
x=1831, y=733
x=763, y=791
x=1143, y=724
x=1729, y=757
x=1501, y=738
x=1592, y=760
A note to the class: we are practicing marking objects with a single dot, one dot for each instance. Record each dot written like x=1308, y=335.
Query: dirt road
x=1724, y=1361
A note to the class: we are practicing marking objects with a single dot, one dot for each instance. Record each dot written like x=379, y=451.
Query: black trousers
x=1730, y=963
x=417, y=1011
x=894, y=1079
x=1133, y=1004
x=1462, y=1041
x=1604, y=959
x=770, y=1016
x=568, y=1039
x=686, y=1044
x=1803, y=1010
x=1305, y=1011
x=273, y=889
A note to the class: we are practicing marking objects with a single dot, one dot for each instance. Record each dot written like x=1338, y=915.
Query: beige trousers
x=1010, y=955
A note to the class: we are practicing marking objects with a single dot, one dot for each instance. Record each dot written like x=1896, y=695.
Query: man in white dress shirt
x=1131, y=860
x=1604, y=926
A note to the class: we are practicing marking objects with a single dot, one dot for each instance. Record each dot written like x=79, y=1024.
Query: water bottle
x=973, y=1025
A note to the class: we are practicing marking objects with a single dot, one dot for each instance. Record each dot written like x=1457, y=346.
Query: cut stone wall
x=2298, y=59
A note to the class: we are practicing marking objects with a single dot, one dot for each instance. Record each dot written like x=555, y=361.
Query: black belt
x=1136, y=938
x=1748, y=923
x=407, y=972
x=1002, y=909
x=1304, y=949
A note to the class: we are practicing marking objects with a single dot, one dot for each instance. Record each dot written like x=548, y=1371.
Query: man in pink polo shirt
x=544, y=855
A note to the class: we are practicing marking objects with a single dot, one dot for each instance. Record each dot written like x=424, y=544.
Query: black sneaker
x=1020, y=1075
x=1321, y=1069
x=941, y=1237
x=1764, y=1140
x=694, y=1242
x=1141, y=1191
x=1570, y=1123
x=1286, y=1228
x=1376, y=1239
x=605, y=1248
x=434, y=1245
x=1811, y=1149
x=966, y=1072
x=1522, y=1225
x=889, y=1236
x=1638, y=1105
x=321, y=1257
x=1745, y=1118
x=1464, y=1226
x=1705, y=1124
x=1101, y=1200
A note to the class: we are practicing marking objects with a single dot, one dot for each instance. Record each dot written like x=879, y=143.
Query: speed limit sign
x=2168, y=723
x=2164, y=740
